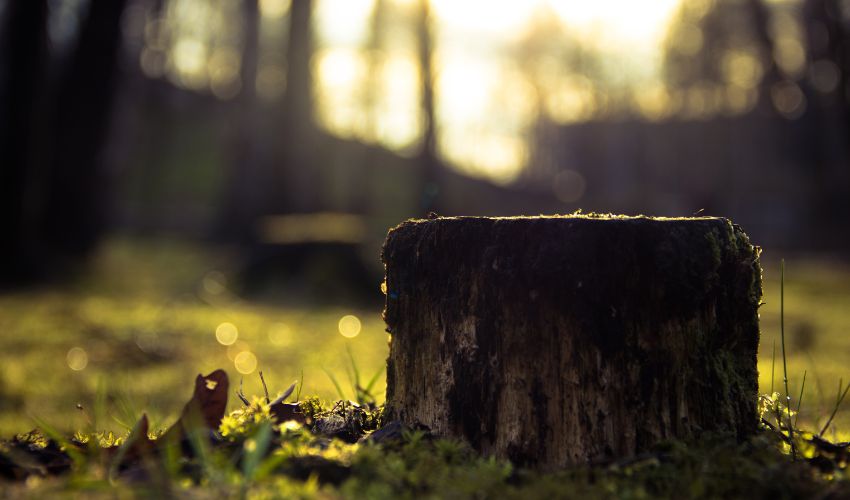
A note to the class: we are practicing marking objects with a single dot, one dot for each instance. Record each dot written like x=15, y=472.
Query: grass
x=817, y=337
x=146, y=319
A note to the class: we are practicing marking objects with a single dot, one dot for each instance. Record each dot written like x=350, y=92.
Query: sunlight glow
x=495, y=17
x=344, y=22
x=486, y=103
x=618, y=22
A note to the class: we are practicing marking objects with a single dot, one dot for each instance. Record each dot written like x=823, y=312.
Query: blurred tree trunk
x=375, y=49
x=75, y=213
x=298, y=175
x=245, y=176
x=23, y=54
x=827, y=120
x=429, y=190
x=760, y=17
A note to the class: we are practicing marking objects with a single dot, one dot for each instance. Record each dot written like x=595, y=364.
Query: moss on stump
x=572, y=339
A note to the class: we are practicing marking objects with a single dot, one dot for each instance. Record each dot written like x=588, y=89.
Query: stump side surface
x=564, y=340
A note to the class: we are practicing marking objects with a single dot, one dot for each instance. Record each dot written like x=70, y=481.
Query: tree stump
x=563, y=340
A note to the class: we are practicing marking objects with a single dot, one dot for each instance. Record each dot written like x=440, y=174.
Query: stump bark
x=562, y=340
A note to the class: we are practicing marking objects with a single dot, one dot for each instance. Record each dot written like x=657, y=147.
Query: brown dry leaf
x=137, y=444
x=284, y=412
x=207, y=406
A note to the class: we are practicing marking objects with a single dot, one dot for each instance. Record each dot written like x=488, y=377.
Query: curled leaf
x=206, y=408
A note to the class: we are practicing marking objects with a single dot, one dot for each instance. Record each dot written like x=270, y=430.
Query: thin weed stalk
x=800, y=399
x=784, y=360
x=838, y=400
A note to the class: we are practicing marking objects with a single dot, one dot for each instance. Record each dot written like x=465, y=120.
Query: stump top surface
x=566, y=217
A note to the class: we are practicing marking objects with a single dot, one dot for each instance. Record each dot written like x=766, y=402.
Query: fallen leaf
x=206, y=408
x=284, y=412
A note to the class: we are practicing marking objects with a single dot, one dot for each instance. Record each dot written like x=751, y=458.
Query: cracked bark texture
x=564, y=340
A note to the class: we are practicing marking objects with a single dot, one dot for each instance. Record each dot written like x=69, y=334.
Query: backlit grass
x=136, y=330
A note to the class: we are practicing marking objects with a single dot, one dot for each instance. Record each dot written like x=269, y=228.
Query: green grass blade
x=772, y=367
x=784, y=359
x=800, y=399
x=838, y=400
x=300, y=385
x=335, y=383
x=353, y=363
x=374, y=380
x=256, y=448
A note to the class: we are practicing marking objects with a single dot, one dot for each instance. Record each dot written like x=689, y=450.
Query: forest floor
x=129, y=336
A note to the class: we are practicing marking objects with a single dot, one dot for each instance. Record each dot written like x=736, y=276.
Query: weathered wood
x=572, y=339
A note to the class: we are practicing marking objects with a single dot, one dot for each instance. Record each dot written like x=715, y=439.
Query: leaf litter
x=307, y=441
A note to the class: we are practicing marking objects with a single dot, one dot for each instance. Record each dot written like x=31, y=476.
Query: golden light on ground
x=226, y=333
x=245, y=362
x=77, y=359
x=349, y=326
x=280, y=334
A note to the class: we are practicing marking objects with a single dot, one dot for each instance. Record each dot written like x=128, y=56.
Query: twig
x=265, y=388
x=241, y=394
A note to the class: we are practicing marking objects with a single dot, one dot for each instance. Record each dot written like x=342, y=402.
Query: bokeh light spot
x=569, y=186
x=245, y=362
x=349, y=326
x=215, y=282
x=825, y=75
x=788, y=99
x=77, y=359
x=226, y=333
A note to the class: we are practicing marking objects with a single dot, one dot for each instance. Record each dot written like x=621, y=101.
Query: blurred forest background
x=230, y=149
